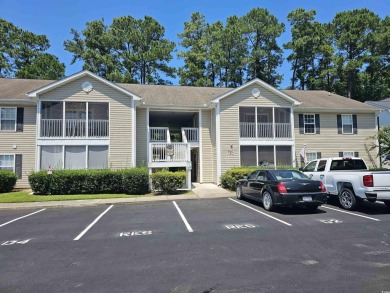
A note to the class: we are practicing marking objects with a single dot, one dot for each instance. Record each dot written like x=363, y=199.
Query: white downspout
x=218, y=140
x=200, y=147
x=133, y=134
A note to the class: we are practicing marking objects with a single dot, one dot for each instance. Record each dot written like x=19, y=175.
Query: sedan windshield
x=289, y=175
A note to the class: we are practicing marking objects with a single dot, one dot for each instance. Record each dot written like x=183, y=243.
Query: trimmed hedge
x=129, y=181
x=7, y=181
x=167, y=182
x=229, y=178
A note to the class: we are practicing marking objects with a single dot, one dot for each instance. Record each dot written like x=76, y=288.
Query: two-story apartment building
x=87, y=122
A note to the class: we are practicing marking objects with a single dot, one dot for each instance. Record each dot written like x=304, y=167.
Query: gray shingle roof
x=174, y=95
x=14, y=88
x=326, y=100
x=166, y=95
x=384, y=104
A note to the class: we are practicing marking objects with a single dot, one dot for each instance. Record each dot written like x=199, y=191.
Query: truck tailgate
x=381, y=179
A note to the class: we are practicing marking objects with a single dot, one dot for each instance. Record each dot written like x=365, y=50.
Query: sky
x=55, y=18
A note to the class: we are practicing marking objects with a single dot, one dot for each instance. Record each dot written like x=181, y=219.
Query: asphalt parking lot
x=216, y=245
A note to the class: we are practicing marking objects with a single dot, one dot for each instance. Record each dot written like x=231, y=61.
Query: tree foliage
x=23, y=54
x=129, y=50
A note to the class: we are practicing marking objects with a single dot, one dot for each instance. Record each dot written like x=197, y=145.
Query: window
x=347, y=124
x=283, y=156
x=8, y=119
x=7, y=162
x=266, y=156
x=321, y=165
x=309, y=123
x=75, y=157
x=51, y=156
x=310, y=167
x=98, y=157
x=248, y=155
x=311, y=156
x=348, y=154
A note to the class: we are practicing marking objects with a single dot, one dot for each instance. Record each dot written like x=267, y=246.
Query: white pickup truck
x=350, y=180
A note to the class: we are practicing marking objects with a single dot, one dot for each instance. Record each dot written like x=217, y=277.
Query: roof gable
x=76, y=76
x=260, y=83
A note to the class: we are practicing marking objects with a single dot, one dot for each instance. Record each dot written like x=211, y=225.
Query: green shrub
x=7, y=181
x=167, y=182
x=229, y=178
x=135, y=181
x=130, y=181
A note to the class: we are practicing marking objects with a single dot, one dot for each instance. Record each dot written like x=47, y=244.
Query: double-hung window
x=7, y=119
x=7, y=162
x=309, y=122
x=347, y=124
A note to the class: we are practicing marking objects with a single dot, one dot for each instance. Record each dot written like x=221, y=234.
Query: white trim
x=261, y=83
x=148, y=146
x=133, y=134
x=267, y=142
x=218, y=140
x=75, y=76
x=61, y=141
x=200, y=158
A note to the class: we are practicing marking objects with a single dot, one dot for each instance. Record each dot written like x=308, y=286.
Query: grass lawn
x=25, y=196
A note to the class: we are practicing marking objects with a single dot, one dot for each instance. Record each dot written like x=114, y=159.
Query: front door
x=194, y=163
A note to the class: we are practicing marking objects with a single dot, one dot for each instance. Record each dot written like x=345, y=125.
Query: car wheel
x=347, y=199
x=239, y=192
x=387, y=203
x=268, y=202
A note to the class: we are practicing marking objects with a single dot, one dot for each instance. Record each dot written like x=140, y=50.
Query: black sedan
x=282, y=188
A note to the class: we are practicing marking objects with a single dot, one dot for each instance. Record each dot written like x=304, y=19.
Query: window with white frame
x=310, y=156
x=7, y=162
x=348, y=154
x=7, y=119
x=347, y=124
x=309, y=122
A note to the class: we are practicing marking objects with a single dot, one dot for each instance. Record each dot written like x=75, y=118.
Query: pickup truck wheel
x=268, y=202
x=347, y=199
x=239, y=192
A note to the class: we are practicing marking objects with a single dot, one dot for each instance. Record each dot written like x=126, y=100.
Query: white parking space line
x=93, y=223
x=22, y=217
x=357, y=215
x=183, y=218
x=249, y=207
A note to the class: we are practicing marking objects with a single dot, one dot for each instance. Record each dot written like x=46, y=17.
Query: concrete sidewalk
x=199, y=191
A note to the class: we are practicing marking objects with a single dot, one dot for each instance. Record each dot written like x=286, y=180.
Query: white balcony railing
x=282, y=130
x=52, y=128
x=265, y=130
x=169, y=152
x=74, y=128
x=190, y=134
x=159, y=134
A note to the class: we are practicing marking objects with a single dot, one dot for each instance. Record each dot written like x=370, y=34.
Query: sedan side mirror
x=245, y=177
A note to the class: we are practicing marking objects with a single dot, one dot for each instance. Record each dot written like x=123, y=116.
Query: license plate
x=307, y=198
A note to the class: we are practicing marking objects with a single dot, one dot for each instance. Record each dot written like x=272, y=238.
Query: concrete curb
x=93, y=202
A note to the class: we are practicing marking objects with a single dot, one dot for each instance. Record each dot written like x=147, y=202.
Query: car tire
x=268, y=202
x=239, y=192
x=387, y=203
x=347, y=199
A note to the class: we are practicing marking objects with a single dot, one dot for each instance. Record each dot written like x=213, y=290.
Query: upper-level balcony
x=76, y=124
x=265, y=123
x=164, y=134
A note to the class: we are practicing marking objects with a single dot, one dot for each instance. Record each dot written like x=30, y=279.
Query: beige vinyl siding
x=25, y=144
x=207, y=147
x=141, y=137
x=120, y=149
x=330, y=143
x=229, y=120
